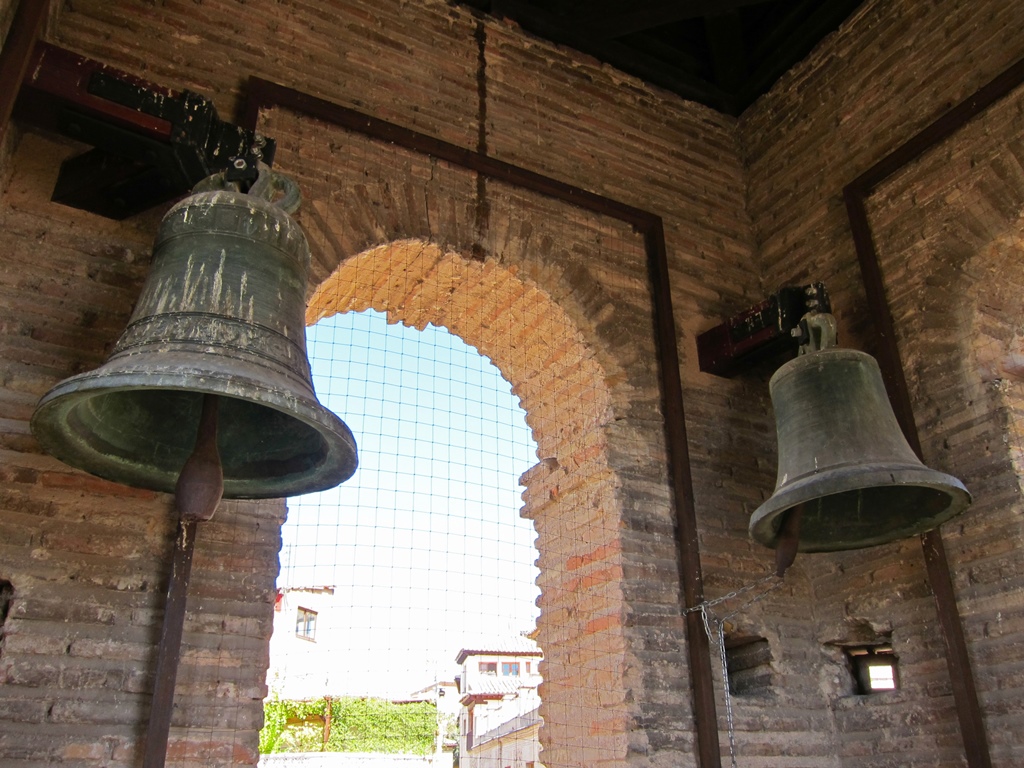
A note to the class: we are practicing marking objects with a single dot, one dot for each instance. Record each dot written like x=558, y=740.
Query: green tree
x=356, y=725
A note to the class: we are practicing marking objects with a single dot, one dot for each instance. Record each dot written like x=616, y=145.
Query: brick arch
x=955, y=310
x=571, y=494
x=995, y=332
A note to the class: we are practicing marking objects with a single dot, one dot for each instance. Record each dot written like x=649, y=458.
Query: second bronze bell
x=844, y=465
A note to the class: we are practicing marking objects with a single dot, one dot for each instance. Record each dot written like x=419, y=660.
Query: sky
x=424, y=545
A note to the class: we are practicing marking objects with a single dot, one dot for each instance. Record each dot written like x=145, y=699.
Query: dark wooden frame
x=263, y=94
x=855, y=194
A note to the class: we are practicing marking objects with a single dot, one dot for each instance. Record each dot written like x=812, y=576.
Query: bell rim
x=338, y=465
x=862, y=477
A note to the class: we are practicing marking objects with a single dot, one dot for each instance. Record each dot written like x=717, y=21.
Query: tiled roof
x=517, y=645
x=501, y=686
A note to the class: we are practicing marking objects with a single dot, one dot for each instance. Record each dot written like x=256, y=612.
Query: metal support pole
x=17, y=52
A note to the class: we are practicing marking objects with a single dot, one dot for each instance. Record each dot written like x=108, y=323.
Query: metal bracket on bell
x=817, y=331
x=268, y=185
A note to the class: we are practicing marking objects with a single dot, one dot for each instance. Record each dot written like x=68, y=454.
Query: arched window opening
x=422, y=557
x=555, y=297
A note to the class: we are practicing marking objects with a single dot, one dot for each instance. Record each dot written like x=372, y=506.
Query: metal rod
x=965, y=692
x=968, y=709
x=169, y=651
x=17, y=52
x=263, y=94
x=197, y=494
x=965, y=695
x=687, y=541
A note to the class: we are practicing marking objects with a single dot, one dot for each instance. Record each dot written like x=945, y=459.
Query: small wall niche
x=748, y=659
x=866, y=651
x=874, y=668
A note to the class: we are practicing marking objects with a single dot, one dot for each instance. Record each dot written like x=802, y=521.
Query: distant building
x=301, y=646
x=500, y=722
x=306, y=663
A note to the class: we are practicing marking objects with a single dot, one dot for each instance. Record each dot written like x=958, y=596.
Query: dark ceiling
x=722, y=53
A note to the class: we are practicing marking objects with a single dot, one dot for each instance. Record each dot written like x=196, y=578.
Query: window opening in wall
x=305, y=624
x=421, y=554
x=874, y=668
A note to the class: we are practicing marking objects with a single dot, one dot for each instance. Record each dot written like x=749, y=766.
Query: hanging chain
x=701, y=606
x=717, y=637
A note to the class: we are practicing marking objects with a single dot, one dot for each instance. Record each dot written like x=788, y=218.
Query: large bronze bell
x=845, y=469
x=220, y=314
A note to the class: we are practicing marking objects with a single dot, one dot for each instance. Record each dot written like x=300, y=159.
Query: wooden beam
x=26, y=27
x=264, y=94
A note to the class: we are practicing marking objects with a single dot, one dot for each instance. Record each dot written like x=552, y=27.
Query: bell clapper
x=198, y=491
x=789, y=540
x=200, y=485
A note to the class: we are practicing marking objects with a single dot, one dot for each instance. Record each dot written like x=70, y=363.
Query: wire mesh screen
x=423, y=567
x=424, y=547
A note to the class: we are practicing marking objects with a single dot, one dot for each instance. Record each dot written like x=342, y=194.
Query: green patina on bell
x=843, y=460
x=221, y=313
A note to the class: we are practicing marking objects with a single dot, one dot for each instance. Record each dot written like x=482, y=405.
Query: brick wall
x=88, y=560
x=618, y=689
x=947, y=230
x=747, y=206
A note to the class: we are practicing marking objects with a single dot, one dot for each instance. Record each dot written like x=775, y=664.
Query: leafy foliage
x=356, y=725
x=281, y=715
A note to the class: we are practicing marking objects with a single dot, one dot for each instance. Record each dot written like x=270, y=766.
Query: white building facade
x=302, y=653
x=499, y=722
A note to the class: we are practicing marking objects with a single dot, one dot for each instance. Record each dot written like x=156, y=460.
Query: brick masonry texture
x=559, y=300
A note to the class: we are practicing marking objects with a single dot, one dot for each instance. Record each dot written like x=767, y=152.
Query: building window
x=527, y=672
x=488, y=668
x=510, y=669
x=305, y=624
x=874, y=668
